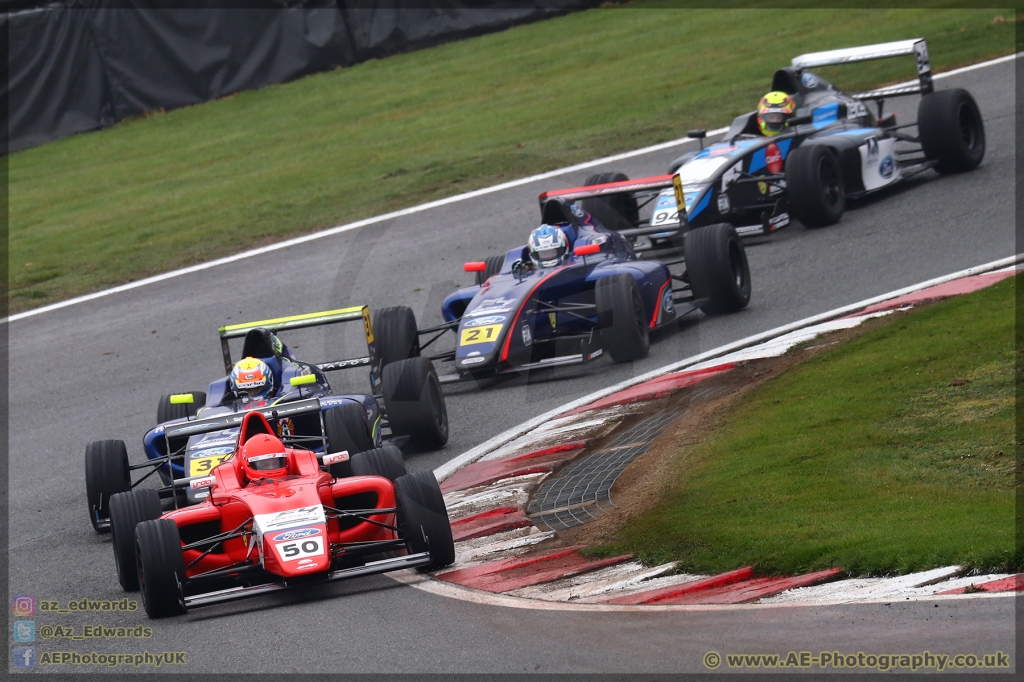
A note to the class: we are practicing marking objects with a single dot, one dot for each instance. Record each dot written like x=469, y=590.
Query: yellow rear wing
x=279, y=324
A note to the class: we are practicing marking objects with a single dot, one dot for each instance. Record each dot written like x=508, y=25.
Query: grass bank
x=173, y=189
x=893, y=452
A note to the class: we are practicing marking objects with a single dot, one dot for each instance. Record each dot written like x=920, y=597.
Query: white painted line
x=356, y=225
x=409, y=211
x=450, y=467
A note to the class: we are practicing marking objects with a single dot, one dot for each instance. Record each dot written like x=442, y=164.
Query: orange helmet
x=263, y=455
x=252, y=377
x=774, y=110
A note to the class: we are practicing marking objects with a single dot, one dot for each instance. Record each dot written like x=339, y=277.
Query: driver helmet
x=264, y=455
x=774, y=110
x=253, y=378
x=548, y=246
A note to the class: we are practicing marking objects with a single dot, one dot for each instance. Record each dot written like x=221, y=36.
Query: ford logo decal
x=885, y=168
x=296, y=534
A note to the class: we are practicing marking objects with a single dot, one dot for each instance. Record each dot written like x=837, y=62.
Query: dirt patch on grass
x=702, y=408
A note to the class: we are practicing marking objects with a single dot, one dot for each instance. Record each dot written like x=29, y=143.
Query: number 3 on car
x=485, y=334
x=203, y=465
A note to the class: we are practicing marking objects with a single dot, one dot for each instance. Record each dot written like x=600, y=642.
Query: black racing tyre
x=494, y=264
x=423, y=518
x=106, y=474
x=166, y=412
x=161, y=568
x=622, y=318
x=346, y=430
x=414, y=402
x=814, y=182
x=395, y=334
x=716, y=264
x=384, y=461
x=951, y=130
x=127, y=510
x=624, y=203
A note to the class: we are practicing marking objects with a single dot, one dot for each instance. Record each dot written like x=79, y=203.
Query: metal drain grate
x=581, y=491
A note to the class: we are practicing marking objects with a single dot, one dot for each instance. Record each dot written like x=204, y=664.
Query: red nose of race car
x=297, y=551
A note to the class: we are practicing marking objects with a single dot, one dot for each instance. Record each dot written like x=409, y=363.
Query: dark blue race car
x=408, y=408
x=832, y=149
x=602, y=299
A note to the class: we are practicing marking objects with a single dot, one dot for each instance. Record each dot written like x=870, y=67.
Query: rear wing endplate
x=359, y=312
x=899, y=48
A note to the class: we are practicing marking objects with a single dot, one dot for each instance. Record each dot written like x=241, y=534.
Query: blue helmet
x=548, y=246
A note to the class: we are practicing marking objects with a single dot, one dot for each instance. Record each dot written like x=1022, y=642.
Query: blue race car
x=409, y=408
x=831, y=147
x=598, y=297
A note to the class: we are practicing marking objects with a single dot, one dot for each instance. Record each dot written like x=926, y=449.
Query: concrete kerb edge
x=488, y=446
x=463, y=593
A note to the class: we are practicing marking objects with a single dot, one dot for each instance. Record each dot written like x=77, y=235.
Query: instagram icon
x=23, y=605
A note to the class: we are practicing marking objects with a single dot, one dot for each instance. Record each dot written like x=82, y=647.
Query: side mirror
x=303, y=380
x=587, y=249
x=475, y=266
x=182, y=399
x=698, y=134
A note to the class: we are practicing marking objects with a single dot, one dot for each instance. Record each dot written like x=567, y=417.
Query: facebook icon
x=24, y=657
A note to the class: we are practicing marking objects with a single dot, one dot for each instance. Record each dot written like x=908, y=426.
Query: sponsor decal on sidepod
x=773, y=159
x=204, y=482
x=335, y=457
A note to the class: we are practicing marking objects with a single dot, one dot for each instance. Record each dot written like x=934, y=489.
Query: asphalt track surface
x=95, y=370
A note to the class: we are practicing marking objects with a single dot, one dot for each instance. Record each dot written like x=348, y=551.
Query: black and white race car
x=833, y=148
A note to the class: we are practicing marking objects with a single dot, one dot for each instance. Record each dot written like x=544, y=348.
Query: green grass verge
x=172, y=189
x=872, y=456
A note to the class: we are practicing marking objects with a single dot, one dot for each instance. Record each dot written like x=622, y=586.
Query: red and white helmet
x=264, y=455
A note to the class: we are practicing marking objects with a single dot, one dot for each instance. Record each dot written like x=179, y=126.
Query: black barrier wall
x=81, y=66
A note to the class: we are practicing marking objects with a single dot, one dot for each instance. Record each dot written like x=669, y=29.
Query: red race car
x=274, y=520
